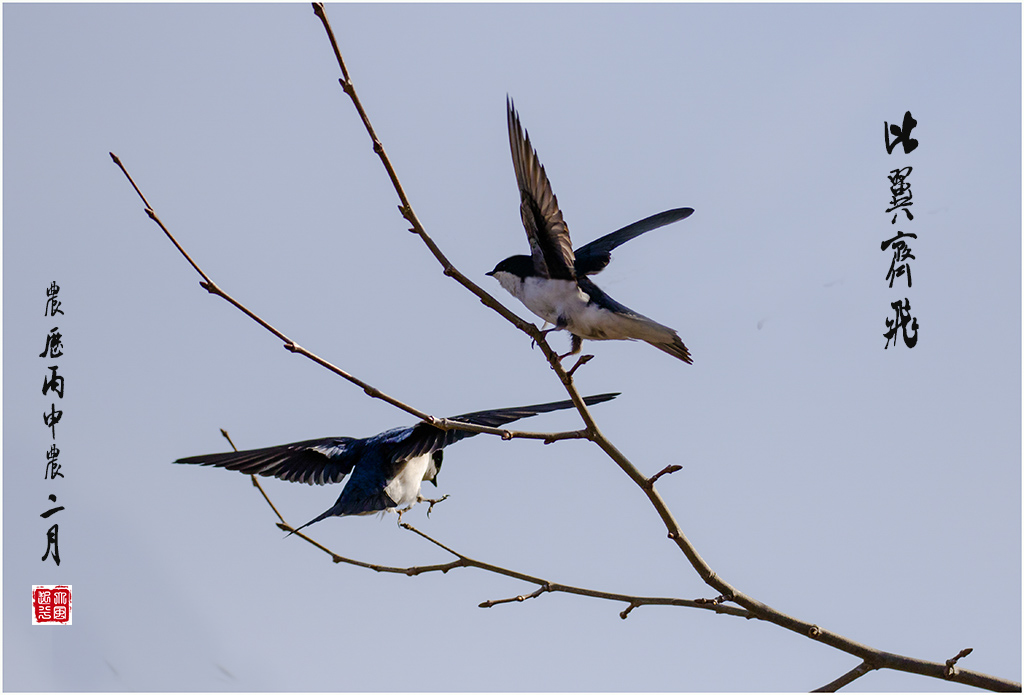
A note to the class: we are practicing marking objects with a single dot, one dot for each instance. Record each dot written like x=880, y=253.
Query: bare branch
x=441, y=423
x=410, y=571
x=548, y=586
x=755, y=608
x=406, y=210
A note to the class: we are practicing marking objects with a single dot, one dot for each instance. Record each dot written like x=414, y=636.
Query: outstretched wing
x=593, y=257
x=550, y=245
x=422, y=438
x=314, y=462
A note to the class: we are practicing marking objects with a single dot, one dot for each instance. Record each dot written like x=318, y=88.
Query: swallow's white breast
x=549, y=299
x=562, y=302
x=404, y=488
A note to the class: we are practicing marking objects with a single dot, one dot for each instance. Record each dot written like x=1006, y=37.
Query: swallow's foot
x=431, y=503
x=419, y=498
x=544, y=332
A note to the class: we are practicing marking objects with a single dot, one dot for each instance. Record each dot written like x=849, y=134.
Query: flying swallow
x=553, y=281
x=387, y=469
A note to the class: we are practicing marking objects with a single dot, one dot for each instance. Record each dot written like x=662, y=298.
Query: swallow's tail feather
x=354, y=505
x=676, y=348
x=330, y=512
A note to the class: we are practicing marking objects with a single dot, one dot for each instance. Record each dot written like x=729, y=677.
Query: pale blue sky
x=874, y=492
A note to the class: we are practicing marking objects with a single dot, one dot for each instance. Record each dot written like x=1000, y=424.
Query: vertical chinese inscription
x=53, y=390
x=903, y=323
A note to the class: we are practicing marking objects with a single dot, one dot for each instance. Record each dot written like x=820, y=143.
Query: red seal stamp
x=51, y=605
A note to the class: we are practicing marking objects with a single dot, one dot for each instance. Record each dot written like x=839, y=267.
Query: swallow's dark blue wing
x=550, y=245
x=314, y=462
x=593, y=257
x=422, y=438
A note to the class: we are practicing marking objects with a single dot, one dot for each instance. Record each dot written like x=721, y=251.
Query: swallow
x=553, y=281
x=386, y=469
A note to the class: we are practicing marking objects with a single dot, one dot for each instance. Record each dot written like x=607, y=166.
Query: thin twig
x=850, y=676
x=951, y=663
x=410, y=571
x=553, y=587
x=664, y=471
x=579, y=363
x=515, y=599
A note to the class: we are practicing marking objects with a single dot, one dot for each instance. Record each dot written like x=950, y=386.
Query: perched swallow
x=386, y=469
x=553, y=282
